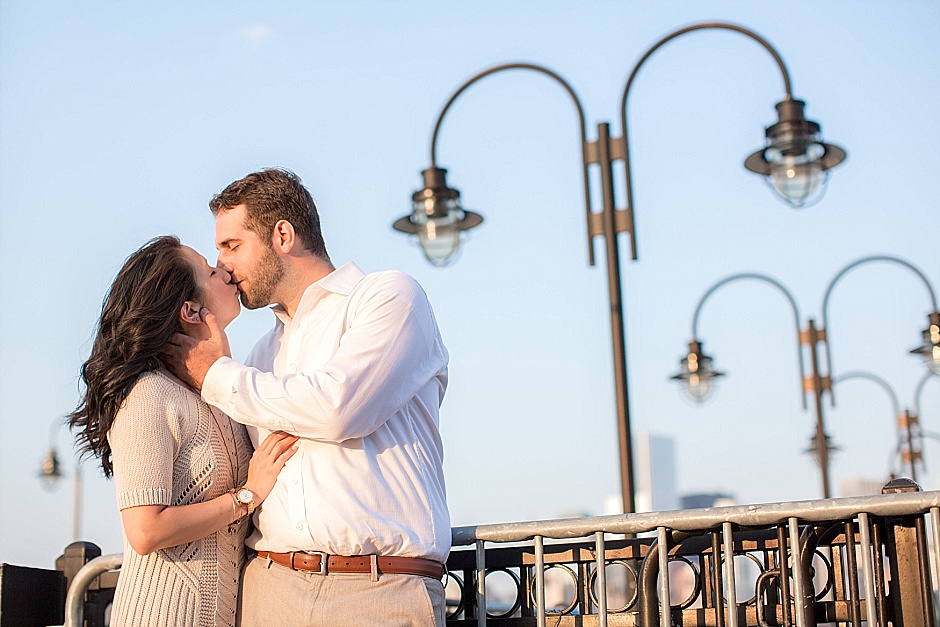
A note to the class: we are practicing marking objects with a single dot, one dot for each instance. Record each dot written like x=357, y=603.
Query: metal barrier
x=861, y=559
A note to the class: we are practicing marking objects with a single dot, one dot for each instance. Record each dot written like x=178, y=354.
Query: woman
x=176, y=461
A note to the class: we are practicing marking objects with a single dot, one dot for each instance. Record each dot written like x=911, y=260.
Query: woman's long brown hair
x=139, y=314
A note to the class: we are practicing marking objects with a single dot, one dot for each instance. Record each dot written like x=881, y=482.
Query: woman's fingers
x=285, y=455
x=276, y=444
x=273, y=438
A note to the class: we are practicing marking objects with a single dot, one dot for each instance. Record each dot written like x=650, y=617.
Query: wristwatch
x=246, y=498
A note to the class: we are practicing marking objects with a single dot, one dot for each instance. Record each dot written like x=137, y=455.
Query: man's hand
x=190, y=359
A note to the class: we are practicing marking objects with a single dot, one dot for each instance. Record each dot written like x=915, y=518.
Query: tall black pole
x=819, y=385
x=618, y=341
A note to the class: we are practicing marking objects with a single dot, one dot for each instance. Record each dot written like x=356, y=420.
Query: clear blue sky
x=118, y=121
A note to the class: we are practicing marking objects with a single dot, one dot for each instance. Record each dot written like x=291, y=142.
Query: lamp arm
x=626, y=92
x=858, y=262
x=779, y=286
x=920, y=388
x=858, y=374
x=500, y=68
x=582, y=124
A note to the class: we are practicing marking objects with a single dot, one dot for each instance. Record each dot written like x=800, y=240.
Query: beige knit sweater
x=170, y=448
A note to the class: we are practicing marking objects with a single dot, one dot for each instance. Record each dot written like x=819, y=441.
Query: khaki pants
x=273, y=595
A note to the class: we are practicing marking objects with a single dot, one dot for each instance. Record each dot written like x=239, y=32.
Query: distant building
x=709, y=499
x=655, y=479
x=860, y=486
x=654, y=476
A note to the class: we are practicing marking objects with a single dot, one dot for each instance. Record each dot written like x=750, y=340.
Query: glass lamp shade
x=439, y=236
x=51, y=470
x=698, y=386
x=930, y=351
x=696, y=374
x=796, y=162
x=798, y=179
x=813, y=448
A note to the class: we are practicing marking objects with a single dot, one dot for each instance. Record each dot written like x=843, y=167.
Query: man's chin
x=249, y=304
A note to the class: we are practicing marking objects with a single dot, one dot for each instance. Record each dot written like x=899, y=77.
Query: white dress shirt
x=359, y=374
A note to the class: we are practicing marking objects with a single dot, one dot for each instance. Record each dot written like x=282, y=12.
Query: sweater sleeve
x=144, y=442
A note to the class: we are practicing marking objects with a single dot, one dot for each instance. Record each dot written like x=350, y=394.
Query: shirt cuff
x=218, y=388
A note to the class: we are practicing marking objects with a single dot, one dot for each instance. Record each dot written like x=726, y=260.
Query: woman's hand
x=267, y=461
x=153, y=527
x=190, y=358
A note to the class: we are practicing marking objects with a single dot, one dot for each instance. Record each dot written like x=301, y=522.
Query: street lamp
x=50, y=471
x=696, y=366
x=795, y=158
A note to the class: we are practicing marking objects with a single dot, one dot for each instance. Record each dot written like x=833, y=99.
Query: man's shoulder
x=388, y=287
x=389, y=280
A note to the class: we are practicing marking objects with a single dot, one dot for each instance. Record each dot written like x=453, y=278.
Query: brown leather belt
x=324, y=564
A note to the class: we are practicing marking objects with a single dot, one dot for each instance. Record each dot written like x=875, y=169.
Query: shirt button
x=300, y=526
x=295, y=481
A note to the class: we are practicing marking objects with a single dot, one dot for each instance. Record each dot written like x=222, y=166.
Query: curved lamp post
x=911, y=447
x=930, y=349
x=697, y=374
x=908, y=440
x=795, y=158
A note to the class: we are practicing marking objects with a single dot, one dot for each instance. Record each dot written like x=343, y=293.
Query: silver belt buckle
x=324, y=558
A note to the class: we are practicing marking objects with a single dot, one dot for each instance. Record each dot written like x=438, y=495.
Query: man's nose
x=224, y=267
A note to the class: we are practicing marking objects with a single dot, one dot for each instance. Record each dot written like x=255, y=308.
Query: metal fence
x=872, y=560
x=864, y=559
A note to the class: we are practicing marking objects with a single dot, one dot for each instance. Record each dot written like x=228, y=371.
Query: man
x=356, y=529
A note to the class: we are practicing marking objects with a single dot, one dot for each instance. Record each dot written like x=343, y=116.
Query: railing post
x=910, y=589
x=100, y=592
x=480, y=582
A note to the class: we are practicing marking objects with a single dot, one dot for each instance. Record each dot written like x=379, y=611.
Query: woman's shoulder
x=160, y=383
x=157, y=390
x=157, y=394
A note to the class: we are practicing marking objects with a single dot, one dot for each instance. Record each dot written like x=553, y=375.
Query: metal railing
x=872, y=560
x=861, y=559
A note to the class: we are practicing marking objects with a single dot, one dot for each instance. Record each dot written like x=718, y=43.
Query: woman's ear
x=189, y=312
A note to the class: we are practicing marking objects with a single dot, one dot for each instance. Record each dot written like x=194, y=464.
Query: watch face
x=245, y=496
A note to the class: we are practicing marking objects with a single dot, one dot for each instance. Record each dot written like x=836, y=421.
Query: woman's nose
x=226, y=270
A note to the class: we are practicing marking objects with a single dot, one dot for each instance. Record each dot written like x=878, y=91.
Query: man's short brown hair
x=271, y=195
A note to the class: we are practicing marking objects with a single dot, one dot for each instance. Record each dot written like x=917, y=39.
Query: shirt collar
x=340, y=281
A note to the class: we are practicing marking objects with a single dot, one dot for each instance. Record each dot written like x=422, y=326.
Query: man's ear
x=283, y=236
x=189, y=312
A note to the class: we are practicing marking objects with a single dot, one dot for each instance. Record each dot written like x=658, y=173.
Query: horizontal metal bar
x=623, y=222
x=901, y=504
